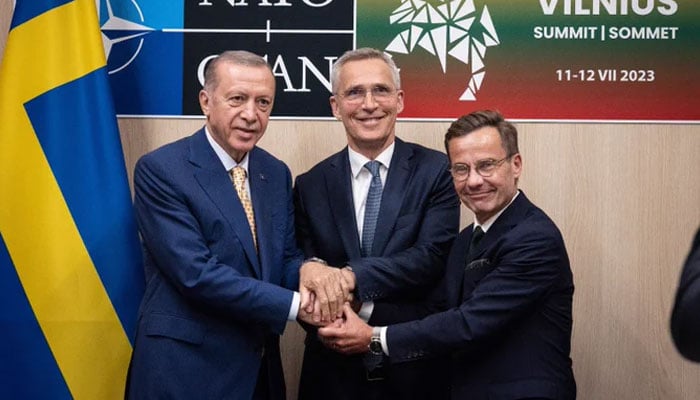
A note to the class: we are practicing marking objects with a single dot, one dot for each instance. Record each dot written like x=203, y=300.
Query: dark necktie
x=476, y=238
x=374, y=199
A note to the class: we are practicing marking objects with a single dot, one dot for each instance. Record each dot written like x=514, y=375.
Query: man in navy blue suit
x=216, y=216
x=509, y=289
x=685, y=319
x=388, y=230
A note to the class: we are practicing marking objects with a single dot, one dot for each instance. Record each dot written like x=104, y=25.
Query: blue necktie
x=374, y=199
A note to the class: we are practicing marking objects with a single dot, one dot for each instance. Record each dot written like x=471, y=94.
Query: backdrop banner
x=534, y=60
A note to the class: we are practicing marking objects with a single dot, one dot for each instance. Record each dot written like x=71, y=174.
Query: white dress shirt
x=361, y=179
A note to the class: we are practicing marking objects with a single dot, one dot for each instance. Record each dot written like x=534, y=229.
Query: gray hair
x=236, y=57
x=365, y=53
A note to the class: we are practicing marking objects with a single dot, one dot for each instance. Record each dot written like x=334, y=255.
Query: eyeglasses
x=357, y=95
x=485, y=168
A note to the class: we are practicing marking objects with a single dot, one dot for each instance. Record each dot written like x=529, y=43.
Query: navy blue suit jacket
x=685, y=320
x=418, y=219
x=212, y=305
x=509, y=326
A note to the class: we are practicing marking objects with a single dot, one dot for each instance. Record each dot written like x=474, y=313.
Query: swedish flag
x=70, y=265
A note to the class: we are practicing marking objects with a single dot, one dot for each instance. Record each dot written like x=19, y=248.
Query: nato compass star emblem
x=128, y=35
x=447, y=28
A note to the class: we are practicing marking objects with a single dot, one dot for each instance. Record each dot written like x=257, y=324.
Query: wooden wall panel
x=626, y=197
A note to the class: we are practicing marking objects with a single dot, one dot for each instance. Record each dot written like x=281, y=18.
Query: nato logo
x=125, y=36
x=156, y=49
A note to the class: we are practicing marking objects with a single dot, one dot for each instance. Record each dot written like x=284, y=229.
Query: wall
x=626, y=197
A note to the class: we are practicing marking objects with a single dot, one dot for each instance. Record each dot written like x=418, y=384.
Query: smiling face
x=370, y=121
x=485, y=196
x=238, y=106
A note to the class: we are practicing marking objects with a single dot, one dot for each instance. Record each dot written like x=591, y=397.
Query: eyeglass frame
x=361, y=95
x=479, y=165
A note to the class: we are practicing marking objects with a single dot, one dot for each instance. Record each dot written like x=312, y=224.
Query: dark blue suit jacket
x=212, y=304
x=685, y=320
x=509, y=326
x=418, y=219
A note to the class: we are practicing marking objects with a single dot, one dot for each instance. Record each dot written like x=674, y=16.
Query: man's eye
x=354, y=92
x=486, y=165
x=236, y=100
x=381, y=90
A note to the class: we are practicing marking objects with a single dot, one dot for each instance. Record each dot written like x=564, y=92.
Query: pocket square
x=480, y=263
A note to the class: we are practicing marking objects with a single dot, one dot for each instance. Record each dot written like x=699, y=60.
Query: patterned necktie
x=476, y=238
x=238, y=176
x=374, y=199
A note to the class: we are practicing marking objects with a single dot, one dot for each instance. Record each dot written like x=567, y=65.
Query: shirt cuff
x=294, y=309
x=366, y=310
x=382, y=338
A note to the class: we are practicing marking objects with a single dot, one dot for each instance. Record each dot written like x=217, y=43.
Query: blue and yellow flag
x=70, y=264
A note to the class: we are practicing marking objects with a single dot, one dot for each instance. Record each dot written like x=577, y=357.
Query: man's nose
x=474, y=179
x=368, y=101
x=248, y=111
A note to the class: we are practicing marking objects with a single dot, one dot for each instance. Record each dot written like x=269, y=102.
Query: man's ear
x=517, y=165
x=204, y=102
x=334, y=107
x=399, y=104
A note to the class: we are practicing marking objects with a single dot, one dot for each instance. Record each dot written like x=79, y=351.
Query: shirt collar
x=489, y=222
x=357, y=160
x=226, y=160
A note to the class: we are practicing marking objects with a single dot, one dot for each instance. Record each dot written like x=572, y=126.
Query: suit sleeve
x=301, y=222
x=527, y=271
x=293, y=256
x=394, y=312
x=423, y=264
x=685, y=319
x=174, y=238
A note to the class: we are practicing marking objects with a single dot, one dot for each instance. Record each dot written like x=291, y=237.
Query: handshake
x=324, y=290
x=327, y=301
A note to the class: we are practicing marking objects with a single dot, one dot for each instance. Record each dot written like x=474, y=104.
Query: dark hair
x=237, y=57
x=479, y=119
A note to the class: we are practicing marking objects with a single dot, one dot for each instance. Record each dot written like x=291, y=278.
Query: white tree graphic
x=447, y=28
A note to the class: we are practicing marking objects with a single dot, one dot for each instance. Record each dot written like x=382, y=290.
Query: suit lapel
x=262, y=209
x=477, y=264
x=393, y=194
x=505, y=222
x=457, y=267
x=216, y=183
x=339, y=192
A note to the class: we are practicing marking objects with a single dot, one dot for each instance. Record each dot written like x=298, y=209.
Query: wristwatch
x=375, y=344
x=315, y=259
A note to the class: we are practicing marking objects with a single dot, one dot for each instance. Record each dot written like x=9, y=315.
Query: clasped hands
x=324, y=290
x=326, y=302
